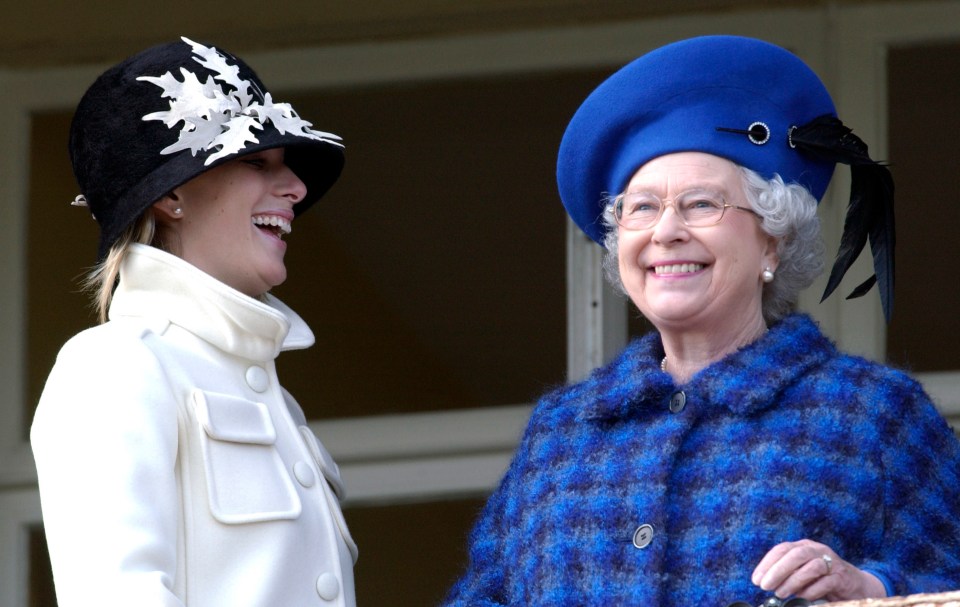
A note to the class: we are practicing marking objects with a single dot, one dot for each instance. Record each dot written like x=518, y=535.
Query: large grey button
x=257, y=378
x=304, y=474
x=328, y=586
x=678, y=401
x=643, y=536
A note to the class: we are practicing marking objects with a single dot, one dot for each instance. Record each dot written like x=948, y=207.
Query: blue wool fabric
x=783, y=440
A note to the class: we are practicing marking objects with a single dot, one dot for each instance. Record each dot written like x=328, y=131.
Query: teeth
x=282, y=225
x=678, y=268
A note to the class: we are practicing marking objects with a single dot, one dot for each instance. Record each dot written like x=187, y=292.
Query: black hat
x=171, y=112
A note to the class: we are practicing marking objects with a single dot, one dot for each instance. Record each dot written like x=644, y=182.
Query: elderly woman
x=174, y=469
x=735, y=453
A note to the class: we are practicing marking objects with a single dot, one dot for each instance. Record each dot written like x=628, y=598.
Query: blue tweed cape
x=783, y=440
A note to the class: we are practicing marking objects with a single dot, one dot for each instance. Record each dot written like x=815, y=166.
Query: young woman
x=173, y=467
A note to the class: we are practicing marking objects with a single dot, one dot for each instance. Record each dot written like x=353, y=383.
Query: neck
x=688, y=352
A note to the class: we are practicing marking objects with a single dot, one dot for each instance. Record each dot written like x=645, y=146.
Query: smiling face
x=684, y=278
x=232, y=218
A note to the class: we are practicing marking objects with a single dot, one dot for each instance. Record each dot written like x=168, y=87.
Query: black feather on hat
x=162, y=117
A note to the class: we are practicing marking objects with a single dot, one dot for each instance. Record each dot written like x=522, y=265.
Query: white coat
x=173, y=468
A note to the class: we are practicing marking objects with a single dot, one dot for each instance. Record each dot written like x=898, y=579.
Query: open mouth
x=678, y=268
x=276, y=225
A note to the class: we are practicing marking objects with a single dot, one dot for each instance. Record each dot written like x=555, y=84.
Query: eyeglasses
x=695, y=208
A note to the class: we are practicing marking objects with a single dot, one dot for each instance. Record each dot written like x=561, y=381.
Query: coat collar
x=746, y=381
x=162, y=287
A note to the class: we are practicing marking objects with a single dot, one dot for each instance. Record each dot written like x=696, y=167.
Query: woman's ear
x=771, y=258
x=168, y=208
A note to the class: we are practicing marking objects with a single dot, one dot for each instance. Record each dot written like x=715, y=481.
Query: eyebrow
x=698, y=188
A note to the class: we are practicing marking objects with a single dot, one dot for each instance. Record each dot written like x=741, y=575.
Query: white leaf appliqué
x=214, y=118
x=286, y=120
x=217, y=63
x=237, y=135
x=200, y=137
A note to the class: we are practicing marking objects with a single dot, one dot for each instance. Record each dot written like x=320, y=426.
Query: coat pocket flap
x=229, y=418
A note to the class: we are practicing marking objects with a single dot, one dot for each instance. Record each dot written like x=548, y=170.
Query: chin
x=672, y=314
x=260, y=283
x=276, y=279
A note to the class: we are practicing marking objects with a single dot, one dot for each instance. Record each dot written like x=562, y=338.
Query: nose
x=290, y=186
x=670, y=228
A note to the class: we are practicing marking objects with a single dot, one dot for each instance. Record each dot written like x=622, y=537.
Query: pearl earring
x=178, y=211
x=767, y=275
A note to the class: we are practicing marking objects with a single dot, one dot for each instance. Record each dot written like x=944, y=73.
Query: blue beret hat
x=674, y=99
x=746, y=100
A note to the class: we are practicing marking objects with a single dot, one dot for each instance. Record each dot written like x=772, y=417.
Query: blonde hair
x=101, y=281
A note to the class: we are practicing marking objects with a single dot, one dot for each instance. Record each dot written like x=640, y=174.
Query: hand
x=813, y=571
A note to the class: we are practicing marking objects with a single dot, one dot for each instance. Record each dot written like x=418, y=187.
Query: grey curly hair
x=789, y=214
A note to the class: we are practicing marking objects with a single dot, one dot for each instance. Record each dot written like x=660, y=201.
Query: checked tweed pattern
x=783, y=440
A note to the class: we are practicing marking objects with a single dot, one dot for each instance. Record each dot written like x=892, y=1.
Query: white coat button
x=257, y=378
x=643, y=536
x=328, y=586
x=304, y=474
